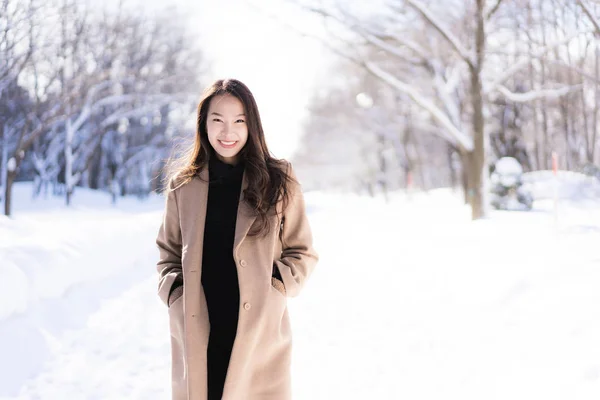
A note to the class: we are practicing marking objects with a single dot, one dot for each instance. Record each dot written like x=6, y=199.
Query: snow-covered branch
x=136, y=157
x=151, y=104
x=450, y=131
x=388, y=48
x=437, y=25
x=380, y=39
x=46, y=121
x=444, y=88
x=590, y=15
x=492, y=10
x=537, y=94
x=579, y=71
x=524, y=62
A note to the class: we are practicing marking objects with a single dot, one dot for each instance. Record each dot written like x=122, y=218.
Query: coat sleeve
x=298, y=257
x=169, y=247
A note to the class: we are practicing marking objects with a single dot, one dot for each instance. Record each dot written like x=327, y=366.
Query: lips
x=228, y=144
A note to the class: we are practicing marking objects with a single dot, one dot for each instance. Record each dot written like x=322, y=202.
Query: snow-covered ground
x=411, y=300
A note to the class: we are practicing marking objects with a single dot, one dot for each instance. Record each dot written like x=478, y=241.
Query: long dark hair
x=268, y=180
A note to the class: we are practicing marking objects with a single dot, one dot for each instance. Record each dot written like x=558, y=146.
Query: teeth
x=227, y=143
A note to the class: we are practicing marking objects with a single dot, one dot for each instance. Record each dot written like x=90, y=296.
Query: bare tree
x=90, y=74
x=591, y=140
x=19, y=42
x=361, y=135
x=453, y=54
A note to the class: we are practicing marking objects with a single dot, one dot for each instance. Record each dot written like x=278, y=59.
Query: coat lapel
x=245, y=217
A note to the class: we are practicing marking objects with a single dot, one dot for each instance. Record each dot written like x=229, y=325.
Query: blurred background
x=448, y=151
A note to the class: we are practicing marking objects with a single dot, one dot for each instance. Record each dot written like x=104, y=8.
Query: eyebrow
x=216, y=113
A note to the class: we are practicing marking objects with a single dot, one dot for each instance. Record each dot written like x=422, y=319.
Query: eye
x=216, y=120
x=240, y=120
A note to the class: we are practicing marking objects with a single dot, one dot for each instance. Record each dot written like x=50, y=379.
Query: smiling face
x=226, y=127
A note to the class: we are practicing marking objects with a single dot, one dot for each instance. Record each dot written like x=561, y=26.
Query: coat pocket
x=175, y=311
x=278, y=285
x=176, y=293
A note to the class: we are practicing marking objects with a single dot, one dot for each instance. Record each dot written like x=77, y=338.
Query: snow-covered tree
x=105, y=87
x=444, y=60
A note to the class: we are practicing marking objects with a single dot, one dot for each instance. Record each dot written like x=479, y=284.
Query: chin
x=229, y=157
x=228, y=154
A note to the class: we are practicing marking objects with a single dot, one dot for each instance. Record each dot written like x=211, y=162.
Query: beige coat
x=259, y=367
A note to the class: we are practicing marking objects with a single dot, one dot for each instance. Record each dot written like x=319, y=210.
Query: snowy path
x=418, y=303
x=410, y=302
x=105, y=335
x=122, y=353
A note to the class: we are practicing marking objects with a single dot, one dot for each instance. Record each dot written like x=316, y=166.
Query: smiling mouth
x=228, y=145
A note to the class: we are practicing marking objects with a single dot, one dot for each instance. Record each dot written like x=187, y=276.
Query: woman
x=234, y=244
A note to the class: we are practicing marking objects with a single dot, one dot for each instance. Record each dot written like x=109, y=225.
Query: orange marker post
x=409, y=184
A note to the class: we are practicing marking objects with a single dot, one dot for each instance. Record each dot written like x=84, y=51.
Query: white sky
x=279, y=65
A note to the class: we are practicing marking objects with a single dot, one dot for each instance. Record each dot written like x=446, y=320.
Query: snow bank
x=58, y=264
x=47, y=248
x=572, y=186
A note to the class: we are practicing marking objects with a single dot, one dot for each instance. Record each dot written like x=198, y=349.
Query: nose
x=227, y=129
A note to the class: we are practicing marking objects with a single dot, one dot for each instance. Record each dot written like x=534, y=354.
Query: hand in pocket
x=277, y=284
x=175, y=294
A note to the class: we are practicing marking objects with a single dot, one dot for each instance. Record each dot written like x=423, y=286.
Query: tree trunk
x=574, y=131
x=10, y=178
x=546, y=144
x=568, y=124
x=475, y=179
x=409, y=143
x=417, y=164
x=592, y=147
x=464, y=175
x=585, y=123
x=532, y=83
x=453, y=172
x=382, y=164
x=68, y=161
x=3, y=160
x=477, y=172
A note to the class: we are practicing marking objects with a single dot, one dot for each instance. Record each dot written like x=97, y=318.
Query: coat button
x=247, y=306
x=243, y=263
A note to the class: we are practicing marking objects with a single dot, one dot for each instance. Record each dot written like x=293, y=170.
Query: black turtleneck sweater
x=219, y=271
